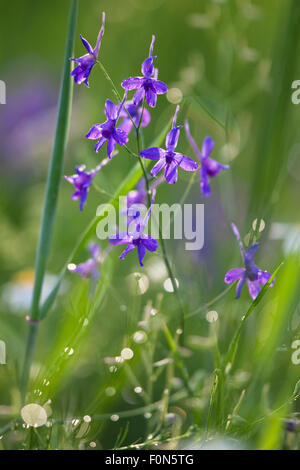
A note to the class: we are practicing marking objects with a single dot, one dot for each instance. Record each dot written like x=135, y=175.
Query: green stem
x=174, y=284
x=115, y=90
x=52, y=190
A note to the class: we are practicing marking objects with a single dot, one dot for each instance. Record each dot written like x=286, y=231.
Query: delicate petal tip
x=141, y=253
x=153, y=153
x=151, y=97
x=186, y=163
x=172, y=138
x=148, y=67
x=111, y=110
x=238, y=237
x=138, y=96
x=86, y=45
x=234, y=275
x=253, y=288
x=171, y=173
x=95, y=132
x=99, y=144
x=264, y=276
x=111, y=145
x=120, y=136
x=175, y=116
x=100, y=35
x=158, y=167
x=150, y=243
x=160, y=87
x=131, y=83
x=207, y=146
x=251, y=252
x=239, y=287
x=151, y=45
x=204, y=182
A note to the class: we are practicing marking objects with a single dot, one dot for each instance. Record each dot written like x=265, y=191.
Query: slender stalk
x=162, y=243
x=115, y=90
x=52, y=189
x=164, y=251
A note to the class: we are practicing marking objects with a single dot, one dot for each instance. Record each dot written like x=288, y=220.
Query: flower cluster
x=121, y=119
x=137, y=239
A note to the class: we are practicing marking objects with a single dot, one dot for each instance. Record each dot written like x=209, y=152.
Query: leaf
x=56, y=165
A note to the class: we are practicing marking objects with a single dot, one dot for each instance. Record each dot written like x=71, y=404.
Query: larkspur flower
x=85, y=63
x=137, y=239
x=90, y=268
x=169, y=159
x=147, y=86
x=251, y=274
x=82, y=181
x=108, y=131
x=135, y=111
x=209, y=167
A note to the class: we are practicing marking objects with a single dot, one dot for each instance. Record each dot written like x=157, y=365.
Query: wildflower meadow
x=150, y=231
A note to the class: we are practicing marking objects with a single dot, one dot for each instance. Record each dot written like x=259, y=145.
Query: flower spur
x=85, y=63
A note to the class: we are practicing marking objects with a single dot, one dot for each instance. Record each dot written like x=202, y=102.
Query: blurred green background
x=230, y=65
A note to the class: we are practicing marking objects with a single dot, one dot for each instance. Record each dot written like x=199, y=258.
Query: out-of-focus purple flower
x=82, y=181
x=27, y=123
x=147, y=86
x=251, y=274
x=169, y=159
x=108, y=131
x=85, y=63
x=138, y=197
x=137, y=239
x=209, y=167
x=90, y=268
x=135, y=111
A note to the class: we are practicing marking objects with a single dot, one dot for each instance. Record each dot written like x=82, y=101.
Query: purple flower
x=107, y=131
x=209, y=167
x=137, y=239
x=82, y=181
x=148, y=86
x=169, y=159
x=88, y=269
x=135, y=111
x=250, y=273
x=85, y=63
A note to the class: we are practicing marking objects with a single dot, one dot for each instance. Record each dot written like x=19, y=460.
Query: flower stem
x=174, y=284
x=52, y=189
x=162, y=243
x=115, y=90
